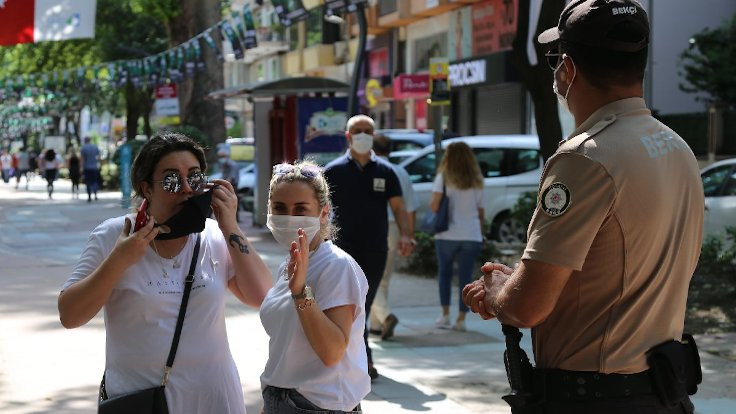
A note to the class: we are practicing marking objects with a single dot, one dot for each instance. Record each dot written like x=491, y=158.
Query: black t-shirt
x=359, y=197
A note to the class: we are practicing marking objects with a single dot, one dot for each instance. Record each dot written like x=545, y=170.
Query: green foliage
x=423, y=261
x=718, y=255
x=524, y=208
x=709, y=64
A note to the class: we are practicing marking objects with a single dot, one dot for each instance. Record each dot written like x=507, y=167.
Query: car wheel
x=507, y=230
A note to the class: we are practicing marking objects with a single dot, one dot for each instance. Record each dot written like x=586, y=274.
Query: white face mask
x=562, y=99
x=284, y=228
x=362, y=143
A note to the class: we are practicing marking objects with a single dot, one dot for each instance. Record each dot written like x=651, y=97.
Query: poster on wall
x=427, y=48
x=290, y=11
x=460, y=36
x=321, y=123
x=494, y=25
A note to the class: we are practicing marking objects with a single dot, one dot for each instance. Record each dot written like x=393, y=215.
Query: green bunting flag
x=207, y=36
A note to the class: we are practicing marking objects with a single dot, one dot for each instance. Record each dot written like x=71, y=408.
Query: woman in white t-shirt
x=136, y=270
x=460, y=175
x=315, y=313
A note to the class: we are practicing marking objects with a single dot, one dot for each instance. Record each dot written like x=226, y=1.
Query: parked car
x=407, y=139
x=719, y=186
x=397, y=157
x=510, y=164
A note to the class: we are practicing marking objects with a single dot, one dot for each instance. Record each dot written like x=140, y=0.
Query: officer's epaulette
x=574, y=143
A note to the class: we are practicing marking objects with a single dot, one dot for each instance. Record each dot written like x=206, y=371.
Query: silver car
x=719, y=186
x=510, y=164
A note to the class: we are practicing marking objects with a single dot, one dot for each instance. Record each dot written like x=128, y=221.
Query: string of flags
x=174, y=65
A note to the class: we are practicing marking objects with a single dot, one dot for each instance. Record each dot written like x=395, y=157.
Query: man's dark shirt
x=359, y=197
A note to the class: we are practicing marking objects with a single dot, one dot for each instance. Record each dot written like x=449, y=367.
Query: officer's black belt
x=561, y=385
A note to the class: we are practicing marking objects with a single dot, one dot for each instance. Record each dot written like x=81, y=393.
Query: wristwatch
x=307, y=295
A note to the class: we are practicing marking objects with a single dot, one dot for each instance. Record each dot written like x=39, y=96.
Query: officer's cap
x=589, y=22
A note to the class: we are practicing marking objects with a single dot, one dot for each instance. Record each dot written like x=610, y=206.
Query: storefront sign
x=494, y=25
x=468, y=73
x=378, y=63
x=373, y=92
x=411, y=86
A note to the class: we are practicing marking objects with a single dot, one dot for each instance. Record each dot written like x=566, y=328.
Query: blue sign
x=321, y=123
x=126, y=155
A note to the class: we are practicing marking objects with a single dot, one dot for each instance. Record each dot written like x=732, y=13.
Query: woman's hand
x=132, y=246
x=298, y=263
x=224, y=204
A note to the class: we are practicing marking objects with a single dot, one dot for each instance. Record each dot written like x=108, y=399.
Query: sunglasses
x=173, y=183
x=309, y=171
x=553, y=58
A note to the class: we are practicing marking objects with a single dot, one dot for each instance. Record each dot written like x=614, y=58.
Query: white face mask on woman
x=284, y=228
x=362, y=143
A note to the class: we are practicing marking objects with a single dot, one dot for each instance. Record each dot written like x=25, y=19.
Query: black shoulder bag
x=152, y=400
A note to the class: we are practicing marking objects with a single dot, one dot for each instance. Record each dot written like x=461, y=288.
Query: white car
x=510, y=164
x=719, y=186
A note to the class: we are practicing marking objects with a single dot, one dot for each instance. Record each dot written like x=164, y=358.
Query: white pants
x=380, y=309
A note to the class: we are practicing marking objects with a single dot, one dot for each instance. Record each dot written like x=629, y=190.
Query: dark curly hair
x=156, y=148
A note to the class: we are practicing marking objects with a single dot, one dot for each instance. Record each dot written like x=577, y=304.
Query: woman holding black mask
x=138, y=275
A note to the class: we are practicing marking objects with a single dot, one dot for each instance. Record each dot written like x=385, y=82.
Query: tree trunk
x=538, y=79
x=208, y=116
x=146, y=104
x=132, y=111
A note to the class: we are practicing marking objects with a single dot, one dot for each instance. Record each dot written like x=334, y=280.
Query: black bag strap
x=188, y=282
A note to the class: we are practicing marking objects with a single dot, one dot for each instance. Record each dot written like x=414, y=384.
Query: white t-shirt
x=407, y=191
x=336, y=280
x=141, y=314
x=464, y=205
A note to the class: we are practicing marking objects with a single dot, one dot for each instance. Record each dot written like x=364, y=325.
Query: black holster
x=675, y=370
x=520, y=373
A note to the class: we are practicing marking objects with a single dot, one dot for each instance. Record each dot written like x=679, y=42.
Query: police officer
x=617, y=230
x=362, y=184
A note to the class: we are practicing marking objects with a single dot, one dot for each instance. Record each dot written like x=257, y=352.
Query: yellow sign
x=439, y=81
x=373, y=92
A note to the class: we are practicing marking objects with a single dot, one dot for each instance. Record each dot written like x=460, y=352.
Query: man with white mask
x=361, y=185
x=614, y=240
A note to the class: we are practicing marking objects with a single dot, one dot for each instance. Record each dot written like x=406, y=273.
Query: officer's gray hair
x=357, y=118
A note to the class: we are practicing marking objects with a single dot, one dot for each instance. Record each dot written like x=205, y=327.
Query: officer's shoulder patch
x=555, y=199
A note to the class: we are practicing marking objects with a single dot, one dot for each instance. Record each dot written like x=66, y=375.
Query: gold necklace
x=176, y=263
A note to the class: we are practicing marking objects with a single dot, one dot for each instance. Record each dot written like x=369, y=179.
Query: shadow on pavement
x=409, y=397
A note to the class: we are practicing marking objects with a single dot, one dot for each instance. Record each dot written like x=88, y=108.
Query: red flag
x=26, y=21
x=16, y=21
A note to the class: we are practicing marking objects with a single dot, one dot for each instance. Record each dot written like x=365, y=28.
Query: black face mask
x=190, y=219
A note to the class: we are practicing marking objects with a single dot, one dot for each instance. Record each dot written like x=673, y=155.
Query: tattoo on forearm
x=236, y=240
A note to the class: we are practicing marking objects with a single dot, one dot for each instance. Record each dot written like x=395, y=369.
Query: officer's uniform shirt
x=359, y=197
x=621, y=203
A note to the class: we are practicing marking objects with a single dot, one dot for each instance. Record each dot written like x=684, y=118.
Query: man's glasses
x=553, y=58
x=173, y=183
x=309, y=171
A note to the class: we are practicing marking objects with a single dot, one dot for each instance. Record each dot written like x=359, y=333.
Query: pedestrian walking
x=139, y=274
x=382, y=320
x=603, y=282
x=90, y=156
x=74, y=166
x=460, y=180
x=315, y=313
x=362, y=185
x=51, y=163
x=23, y=166
x=6, y=165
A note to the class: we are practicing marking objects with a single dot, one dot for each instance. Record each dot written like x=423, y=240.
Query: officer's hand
x=473, y=295
x=489, y=268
